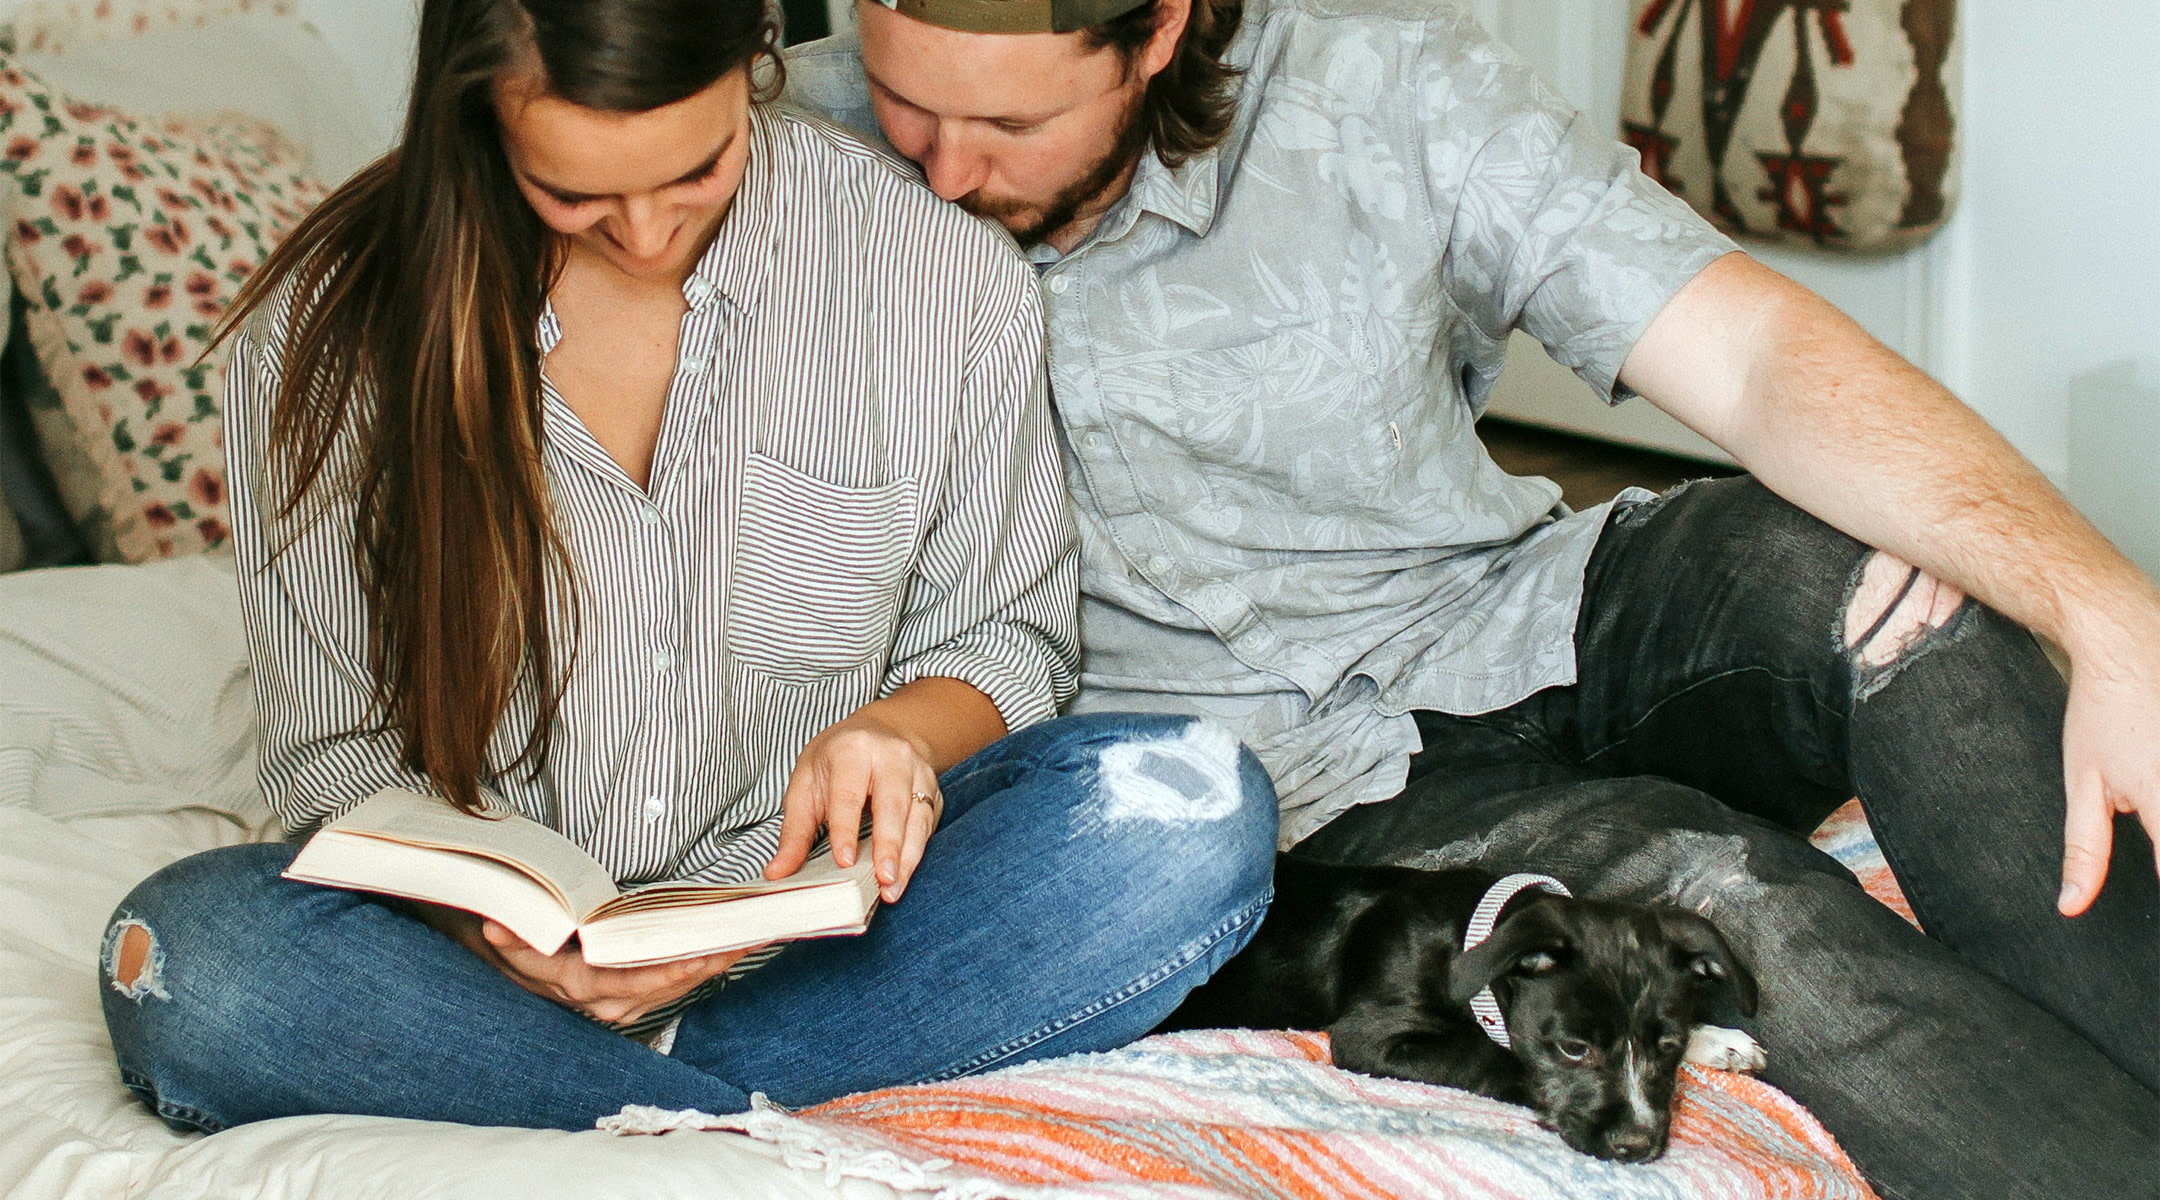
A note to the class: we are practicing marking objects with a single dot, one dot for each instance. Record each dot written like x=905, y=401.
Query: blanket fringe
x=814, y=1148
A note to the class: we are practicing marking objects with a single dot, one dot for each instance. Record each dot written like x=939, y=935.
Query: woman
x=671, y=470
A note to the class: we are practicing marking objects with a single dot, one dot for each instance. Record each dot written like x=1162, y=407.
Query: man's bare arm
x=1837, y=423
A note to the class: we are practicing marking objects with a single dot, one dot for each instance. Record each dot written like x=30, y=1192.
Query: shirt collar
x=1189, y=193
x=1185, y=194
x=740, y=260
x=550, y=328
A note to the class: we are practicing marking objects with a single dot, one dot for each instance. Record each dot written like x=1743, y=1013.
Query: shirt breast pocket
x=820, y=571
x=1306, y=416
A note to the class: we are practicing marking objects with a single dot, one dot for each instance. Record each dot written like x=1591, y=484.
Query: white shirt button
x=1058, y=284
x=649, y=515
x=693, y=365
x=662, y=660
x=1159, y=563
x=655, y=807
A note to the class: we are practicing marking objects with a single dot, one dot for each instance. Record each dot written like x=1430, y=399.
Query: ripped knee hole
x=133, y=960
x=1189, y=778
x=1893, y=606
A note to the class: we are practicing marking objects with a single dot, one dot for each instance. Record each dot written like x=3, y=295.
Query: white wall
x=2054, y=262
x=376, y=37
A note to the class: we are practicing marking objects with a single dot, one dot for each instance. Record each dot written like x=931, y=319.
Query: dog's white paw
x=1725, y=1049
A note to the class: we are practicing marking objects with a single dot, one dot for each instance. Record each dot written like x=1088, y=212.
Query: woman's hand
x=616, y=995
x=865, y=759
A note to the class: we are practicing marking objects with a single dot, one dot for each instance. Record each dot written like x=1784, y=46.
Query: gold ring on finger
x=925, y=798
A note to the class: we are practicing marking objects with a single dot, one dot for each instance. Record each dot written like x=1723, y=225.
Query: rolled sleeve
x=1556, y=231
x=996, y=602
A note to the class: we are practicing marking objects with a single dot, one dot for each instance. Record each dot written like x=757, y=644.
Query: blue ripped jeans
x=1088, y=873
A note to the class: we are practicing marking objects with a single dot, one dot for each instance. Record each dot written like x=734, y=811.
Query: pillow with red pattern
x=127, y=237
x=1831, y=123
x=53, y=26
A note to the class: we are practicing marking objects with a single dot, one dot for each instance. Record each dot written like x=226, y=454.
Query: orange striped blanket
x=1847, y=838
x=1237, y=1113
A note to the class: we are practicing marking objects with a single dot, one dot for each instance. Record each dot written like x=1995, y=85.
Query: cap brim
x=1014, y=16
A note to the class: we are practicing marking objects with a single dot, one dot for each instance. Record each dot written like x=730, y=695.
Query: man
x=1282, y=250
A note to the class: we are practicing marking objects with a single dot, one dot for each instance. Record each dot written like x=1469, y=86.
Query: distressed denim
x=1725, y=705
x=1088, y=873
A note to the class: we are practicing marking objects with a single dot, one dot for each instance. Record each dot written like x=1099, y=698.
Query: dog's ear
x=1524, y=944
x=1706, y=953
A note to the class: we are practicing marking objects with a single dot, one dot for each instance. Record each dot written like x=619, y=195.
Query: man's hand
x=616, y=995
x=865, y=759
x=2111, y=756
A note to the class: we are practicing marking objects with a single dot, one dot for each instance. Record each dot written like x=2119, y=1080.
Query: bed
x=127, y=741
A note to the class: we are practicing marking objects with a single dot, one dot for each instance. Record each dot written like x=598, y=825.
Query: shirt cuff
x=1012, y=668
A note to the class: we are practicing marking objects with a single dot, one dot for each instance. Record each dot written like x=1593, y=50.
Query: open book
x=542, y=887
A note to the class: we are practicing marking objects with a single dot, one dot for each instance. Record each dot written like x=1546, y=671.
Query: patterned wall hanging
x=1827, y=122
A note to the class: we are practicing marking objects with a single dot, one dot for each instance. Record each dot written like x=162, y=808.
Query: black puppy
x=1599, y=998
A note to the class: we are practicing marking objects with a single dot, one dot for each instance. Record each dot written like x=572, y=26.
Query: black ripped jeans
x=1717, y=719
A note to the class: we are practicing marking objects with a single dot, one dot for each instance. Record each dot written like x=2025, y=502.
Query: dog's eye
x=1672, y=1042
x=1573, y=1049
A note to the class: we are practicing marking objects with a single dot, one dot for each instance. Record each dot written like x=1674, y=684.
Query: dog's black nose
x=1633, y=1145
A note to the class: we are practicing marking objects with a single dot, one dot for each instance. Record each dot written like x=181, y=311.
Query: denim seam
x=193, y=1116
x=1138, y=987
x=141, y=1084
x=1690, y=686
x=1542, y=748
x=1917, y=897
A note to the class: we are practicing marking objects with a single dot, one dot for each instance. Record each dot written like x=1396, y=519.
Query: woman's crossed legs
x=1088, y=873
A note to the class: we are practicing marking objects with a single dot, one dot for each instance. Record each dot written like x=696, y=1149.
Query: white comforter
x=126, y=741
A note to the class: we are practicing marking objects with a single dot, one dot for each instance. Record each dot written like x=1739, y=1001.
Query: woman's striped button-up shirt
x=856, y=484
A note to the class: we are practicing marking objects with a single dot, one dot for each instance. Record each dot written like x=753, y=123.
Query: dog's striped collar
x=1484, y=1006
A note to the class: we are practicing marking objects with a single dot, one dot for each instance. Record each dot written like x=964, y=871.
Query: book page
x=476, y=884
x=820, y=871
x=839, y=903
x=554, y=861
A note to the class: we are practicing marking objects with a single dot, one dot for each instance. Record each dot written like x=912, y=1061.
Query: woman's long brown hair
x=411, y=371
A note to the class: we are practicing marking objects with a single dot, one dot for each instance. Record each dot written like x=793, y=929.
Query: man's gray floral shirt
x=1267, y=364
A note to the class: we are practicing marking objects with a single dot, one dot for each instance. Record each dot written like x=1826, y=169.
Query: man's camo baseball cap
x=1014, y=16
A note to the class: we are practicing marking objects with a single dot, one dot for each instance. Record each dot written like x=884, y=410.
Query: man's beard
x=1030, y=224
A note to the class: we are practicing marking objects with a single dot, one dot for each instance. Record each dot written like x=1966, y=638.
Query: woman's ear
x=1524, y=944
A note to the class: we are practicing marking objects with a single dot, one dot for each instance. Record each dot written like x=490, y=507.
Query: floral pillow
x=127, y=239
x=51, y=26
